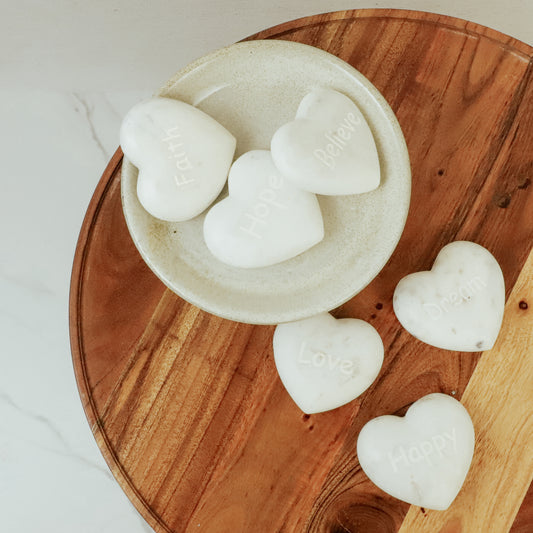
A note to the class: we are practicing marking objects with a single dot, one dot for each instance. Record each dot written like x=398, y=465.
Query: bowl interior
x=252, y=89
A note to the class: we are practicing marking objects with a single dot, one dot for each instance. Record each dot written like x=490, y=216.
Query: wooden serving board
x=187, y=408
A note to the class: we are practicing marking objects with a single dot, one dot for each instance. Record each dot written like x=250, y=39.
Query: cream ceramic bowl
x=253, y=88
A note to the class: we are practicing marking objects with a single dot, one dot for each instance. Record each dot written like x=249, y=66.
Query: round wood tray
x=187, y=408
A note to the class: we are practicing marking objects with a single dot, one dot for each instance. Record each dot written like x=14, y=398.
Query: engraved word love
x=320, y=359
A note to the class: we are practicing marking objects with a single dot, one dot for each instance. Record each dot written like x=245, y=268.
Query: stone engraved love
x=183, y=164
x=320, y=359
x=338, y=141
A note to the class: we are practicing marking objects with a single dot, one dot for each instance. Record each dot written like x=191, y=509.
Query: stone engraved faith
x=263, y=208
x=175, y=146
x=437, y=446
x=456, y=298
x=319, y=359
x=338, y=141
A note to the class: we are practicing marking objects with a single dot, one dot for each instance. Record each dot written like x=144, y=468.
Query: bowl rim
x=230, y=312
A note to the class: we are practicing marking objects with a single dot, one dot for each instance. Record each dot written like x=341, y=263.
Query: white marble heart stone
x=329, y=148
x=459, y=304
x=183, y=156
x=265, y=219
x=325, y=363
x=422, y=458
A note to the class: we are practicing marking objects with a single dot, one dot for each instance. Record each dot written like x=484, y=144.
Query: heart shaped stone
x=325, y=363
x=329, y=148
x=265, y=219
x=458, y=305
x=183, y=157
x=422, y=458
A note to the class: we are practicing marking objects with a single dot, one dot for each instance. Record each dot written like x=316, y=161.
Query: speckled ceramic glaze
x=252, y=89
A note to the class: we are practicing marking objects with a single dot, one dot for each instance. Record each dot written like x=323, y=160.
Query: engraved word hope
x=255, y=219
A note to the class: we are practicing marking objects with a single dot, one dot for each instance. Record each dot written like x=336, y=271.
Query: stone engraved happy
x=438, y=445
x=338, y=141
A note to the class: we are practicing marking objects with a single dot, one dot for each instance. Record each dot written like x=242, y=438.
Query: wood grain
x=187, y=408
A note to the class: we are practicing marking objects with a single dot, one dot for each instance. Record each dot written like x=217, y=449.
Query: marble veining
x=87, y=111
x=46, y=446
x=58, y=444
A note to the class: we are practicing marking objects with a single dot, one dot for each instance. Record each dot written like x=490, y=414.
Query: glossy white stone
x=458, y=305
x=329, y=148
x=422, y=458
x=325, y=363
x=183, y=156
x=265, y=219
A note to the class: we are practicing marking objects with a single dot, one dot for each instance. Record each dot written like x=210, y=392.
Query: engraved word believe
x=338, y=141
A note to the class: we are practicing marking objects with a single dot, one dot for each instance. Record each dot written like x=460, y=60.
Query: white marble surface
x=69, y=71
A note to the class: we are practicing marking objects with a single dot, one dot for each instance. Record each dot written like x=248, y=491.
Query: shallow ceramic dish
x=252, y=88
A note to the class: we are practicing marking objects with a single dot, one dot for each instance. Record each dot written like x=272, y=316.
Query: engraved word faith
x=183, y=164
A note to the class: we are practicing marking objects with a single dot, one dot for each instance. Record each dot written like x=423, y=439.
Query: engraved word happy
x=436, y=446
